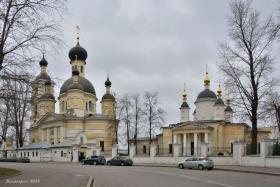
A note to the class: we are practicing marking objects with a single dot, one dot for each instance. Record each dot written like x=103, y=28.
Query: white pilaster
x=114, y=150
x=174, y=138
x=185, y=144
x=206, y=140
x=61, y=133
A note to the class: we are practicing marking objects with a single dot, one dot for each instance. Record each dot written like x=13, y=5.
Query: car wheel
x=122, y=164
x=94, y=163
x=200, y=167
x=209, y=168
x=109, y=163
x=181, y=166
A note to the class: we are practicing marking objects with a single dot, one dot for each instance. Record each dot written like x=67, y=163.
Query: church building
x=77, y=130
x=212, y=124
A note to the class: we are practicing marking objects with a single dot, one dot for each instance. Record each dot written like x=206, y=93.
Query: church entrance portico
x=190, y=140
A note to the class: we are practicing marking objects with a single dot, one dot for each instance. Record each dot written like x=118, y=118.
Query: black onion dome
x=108, y=82
x=47, y=96
x=85, y=85
x=184, y=105
x=77, y=52
x=43, y=62
x=43, y=76
x=75, y=85
x=219, y=101
x=207, y=93
x=228, y=109
x=108, y=96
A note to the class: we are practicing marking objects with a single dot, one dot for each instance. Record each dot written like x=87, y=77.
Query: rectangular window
x=36, y=153
x=102, y=145
x=144, y=149
x=24, y=154
x=61, y=153
x=32, y=153
x=27, y=154
x=170, y=149
x=20, y=154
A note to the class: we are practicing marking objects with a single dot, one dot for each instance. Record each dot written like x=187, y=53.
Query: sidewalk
x=243, y=169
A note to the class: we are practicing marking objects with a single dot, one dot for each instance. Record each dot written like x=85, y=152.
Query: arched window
x=86, y=106
x=90, y=106
x=82, y=69
x=65, y=106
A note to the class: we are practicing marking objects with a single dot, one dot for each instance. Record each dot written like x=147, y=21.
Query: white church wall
x=205, y=110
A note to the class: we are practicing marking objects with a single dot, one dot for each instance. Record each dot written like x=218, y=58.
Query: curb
x=248, y=171
x=220, y=169
x=91, y=182
x=160, y=166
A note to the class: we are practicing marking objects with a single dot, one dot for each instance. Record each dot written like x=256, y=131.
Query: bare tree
x=119, y=108
x=137, y=115
x=18, y=93
x=125, y=103
x=25, y=25
x=273, y=109
x=4, y=118
x=246, y=61
x=153, y=113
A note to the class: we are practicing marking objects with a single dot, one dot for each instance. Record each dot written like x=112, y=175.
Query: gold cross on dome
x=78, y=32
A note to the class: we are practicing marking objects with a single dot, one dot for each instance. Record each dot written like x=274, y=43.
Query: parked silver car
x=197, y=163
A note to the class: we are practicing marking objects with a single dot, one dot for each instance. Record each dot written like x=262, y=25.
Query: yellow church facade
x=77, y=126
x=212, y=125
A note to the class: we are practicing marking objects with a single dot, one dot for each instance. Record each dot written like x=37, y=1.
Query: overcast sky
x=148, y=45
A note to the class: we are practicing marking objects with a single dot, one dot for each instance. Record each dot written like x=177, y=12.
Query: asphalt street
x=76, y=175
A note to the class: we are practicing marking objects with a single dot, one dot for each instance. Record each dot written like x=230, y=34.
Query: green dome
x=82, y=84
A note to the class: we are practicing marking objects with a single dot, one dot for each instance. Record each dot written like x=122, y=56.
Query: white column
x=188, y=151
x=55, y=135
x=195, y=143
x=48, y=135
x=185, y=144
x=174, y=138
x=206, y=137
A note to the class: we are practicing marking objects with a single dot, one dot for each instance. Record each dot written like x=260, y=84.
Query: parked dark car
x=11, y=159
x=120, y=161
x=23, y=160
x=14, y=159
x=94, y=160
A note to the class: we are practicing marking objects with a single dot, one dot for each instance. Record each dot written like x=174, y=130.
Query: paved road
x=76, y=175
